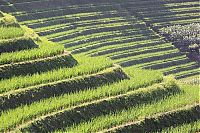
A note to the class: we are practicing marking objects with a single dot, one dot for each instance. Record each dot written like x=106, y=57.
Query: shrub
x=183, y=35
x=8, y=20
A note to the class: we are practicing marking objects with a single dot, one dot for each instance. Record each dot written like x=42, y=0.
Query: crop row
x=187, y=127
x=79, y=16
x=70, y=8
x=11, y=32
x=164, y=120
x=37, y=66
x=96, y=108
x=31, y=94
x=45, y=49
x=87, y=47
x=86, y=65
x=93, y=28
x=105, y=122
x=106, y=50
x=16, y=44
x=95, y=42
x=140, y=51
x=26, y=113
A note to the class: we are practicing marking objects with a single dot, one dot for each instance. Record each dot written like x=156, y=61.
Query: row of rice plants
x=188, y=128
x=85, y=30
x=31, y=94
x=148, y=55
x=86, y=65
x=11, y=32
x=161, y=121
x=78, y=15
x=91, y=23
x=52, y=12
x=57, y=22
x=104, y=106
x=192, y=80
x=140, y=78
x=180, y=66
x=188, y=97
x=171, y=23
x=46, y=49
x=114, y=48
x=142, y=50
x=187, y=3
x=106, y=42
x=187, y=73
x=37, y=66
x=105, y=39
x=166, y=62
x=172, y=17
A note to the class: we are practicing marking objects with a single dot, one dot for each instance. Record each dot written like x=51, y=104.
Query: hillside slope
x=124, y=31
x=45, y=88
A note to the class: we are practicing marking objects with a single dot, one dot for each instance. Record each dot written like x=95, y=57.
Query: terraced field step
x=188, y=127
x=37, y=65
x=140, y=78
x=87, y=111
x=158, y=122
x=136, y=113
x=31, y=94
x=87, y=47
x=45, y=49
x=16, y=44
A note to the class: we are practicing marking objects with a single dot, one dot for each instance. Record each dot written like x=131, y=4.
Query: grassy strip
x=193, y=127
x=36, y=93
x=59, y=17
x=85, y=47
x=37, y=66
x=168, y=16
x=164, y=120
x=193, y=80
x=136, y=113
x=142, y=60
x=140, y=51
x=17, y=44
x=83, y=25
x=46, y=49
x=8, y=20
x=11, y=32
x=88, y=111
x=188, y=73
x=81, y=20
x=182, y=3
x=139, y=78
x=113, y=48
x=87, y=65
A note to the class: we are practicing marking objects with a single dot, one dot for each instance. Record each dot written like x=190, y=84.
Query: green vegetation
x=87, y=65
x=138, y=112
x=126, y=69
x=46, y=49
x=10, y=32
x=191, y=127
x=186, y=36
x=139, y=79
x=8, y=20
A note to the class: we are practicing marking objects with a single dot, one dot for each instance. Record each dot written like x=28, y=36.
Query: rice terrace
x=98, y=66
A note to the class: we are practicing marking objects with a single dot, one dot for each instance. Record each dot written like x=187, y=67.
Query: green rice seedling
x=139, y=78
x=87, y=65
x=104, y=122
x=11, y=32
x=187, y=128
x=46, y=49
